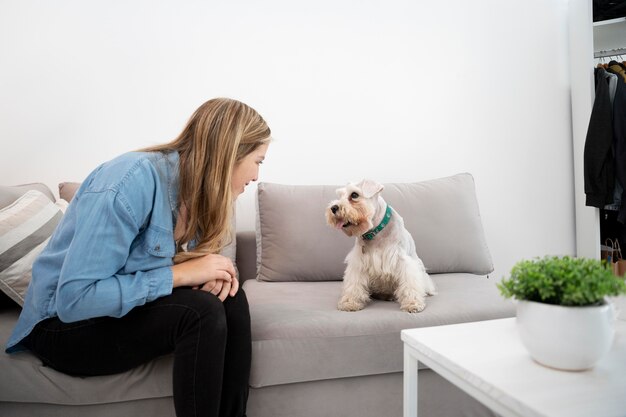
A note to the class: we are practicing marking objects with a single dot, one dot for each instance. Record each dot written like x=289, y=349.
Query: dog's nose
x=334, y=208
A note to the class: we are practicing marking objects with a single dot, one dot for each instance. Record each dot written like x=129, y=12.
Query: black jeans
x=211, y=342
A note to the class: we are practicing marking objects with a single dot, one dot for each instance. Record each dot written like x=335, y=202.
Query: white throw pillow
x=25, y=228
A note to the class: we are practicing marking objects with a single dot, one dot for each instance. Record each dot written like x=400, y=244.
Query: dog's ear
x=370, y=188
x=340, y=191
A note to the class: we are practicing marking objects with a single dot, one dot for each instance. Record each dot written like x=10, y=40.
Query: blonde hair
x=219, y=134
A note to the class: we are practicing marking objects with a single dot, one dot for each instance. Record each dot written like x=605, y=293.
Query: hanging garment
x=619, y=140
x=612, y=79
x=598, y=154
x=617, y=69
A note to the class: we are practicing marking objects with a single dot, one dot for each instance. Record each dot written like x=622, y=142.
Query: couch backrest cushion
x=294, y=243
x=68, y=189
x=25, y=228
x=10, y=193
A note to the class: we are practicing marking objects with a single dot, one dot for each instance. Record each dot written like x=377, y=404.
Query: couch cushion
x=10, y=193
x=25, y=228
x=299, y=335
x=26, y=379
x=68, y=189
x=295, y=244
x=246, y=255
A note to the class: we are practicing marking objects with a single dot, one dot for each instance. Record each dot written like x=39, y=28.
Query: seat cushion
x=26, y=379
x=299, y=335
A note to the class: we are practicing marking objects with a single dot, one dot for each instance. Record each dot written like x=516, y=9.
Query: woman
x=133, y=272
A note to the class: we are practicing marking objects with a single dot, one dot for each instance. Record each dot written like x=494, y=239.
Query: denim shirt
x=113, y=248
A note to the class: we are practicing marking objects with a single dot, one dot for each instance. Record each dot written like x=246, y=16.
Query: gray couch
x=309, y=359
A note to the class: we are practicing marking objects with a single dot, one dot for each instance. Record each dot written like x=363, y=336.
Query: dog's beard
x=353, y=222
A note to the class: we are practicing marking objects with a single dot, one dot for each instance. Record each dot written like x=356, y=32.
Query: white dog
x=383, y=262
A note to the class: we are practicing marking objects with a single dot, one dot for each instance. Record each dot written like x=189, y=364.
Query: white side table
x=488, y=361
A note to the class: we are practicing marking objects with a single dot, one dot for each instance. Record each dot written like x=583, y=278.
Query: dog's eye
x=354, y=196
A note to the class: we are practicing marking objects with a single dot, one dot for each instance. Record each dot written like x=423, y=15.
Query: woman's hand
x=210, y=271
x=221, y=288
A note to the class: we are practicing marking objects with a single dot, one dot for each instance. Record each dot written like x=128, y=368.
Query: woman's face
x=247, y=169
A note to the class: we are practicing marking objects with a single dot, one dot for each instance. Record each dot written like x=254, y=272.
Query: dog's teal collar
x=369, y=235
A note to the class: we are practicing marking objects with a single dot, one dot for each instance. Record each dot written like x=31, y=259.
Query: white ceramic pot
x=568, y=338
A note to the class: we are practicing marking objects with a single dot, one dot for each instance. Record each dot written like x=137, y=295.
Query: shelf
x=610, y=22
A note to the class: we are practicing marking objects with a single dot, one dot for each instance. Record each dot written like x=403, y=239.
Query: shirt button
x=157, y=247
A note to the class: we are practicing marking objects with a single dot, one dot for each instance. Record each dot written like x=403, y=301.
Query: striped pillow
x=25, y=228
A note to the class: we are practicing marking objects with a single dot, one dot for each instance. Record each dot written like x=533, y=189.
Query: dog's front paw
x=413, y=306
x=350, y=305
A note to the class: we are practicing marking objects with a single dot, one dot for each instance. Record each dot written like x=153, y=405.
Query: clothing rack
x=610, y=52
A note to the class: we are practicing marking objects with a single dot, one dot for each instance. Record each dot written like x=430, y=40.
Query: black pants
x=211, y=343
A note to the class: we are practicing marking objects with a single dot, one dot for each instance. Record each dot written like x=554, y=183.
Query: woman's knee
x=202, y=307
x=237, y=311
x=237, y=304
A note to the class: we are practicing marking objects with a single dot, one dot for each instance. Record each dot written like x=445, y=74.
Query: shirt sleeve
x=90, y=284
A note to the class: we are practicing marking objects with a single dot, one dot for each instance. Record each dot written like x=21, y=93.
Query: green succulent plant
x=562, y=281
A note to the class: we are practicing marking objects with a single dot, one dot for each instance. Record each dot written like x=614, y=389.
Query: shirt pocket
x=159, y=242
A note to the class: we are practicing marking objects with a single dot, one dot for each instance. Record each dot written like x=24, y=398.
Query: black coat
x=599, y=169
x=619, y=140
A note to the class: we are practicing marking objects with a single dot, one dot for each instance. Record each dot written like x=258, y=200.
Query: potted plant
x=563, y=316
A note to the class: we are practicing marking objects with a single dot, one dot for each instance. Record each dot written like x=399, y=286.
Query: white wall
x=587, y=219
x=392, y=90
